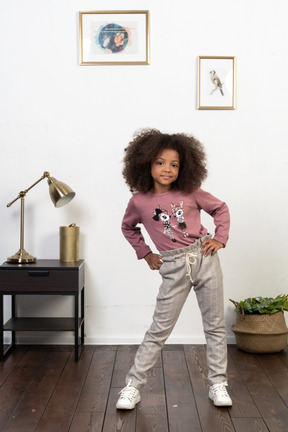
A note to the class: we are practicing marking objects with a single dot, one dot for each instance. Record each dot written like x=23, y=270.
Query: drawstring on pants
x=189, y=263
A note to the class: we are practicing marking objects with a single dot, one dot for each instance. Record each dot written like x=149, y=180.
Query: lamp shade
x=60, y=193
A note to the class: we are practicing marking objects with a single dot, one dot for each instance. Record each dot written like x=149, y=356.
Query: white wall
x=75, y=121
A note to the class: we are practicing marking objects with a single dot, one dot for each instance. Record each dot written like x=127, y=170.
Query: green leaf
x=262, y=305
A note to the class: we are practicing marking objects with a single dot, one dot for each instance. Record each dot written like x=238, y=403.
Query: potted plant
x=260, y=324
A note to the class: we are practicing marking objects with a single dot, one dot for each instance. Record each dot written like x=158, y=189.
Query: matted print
x=114, y=37
x=216, y=82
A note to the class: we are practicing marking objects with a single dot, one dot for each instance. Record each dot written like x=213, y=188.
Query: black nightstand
x=42, y=278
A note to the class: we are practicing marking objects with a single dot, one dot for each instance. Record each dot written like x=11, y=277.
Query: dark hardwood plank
x=86, y=422
x=249, y=425
x=277, y=374
x=124, y=360
x=97, y=386
x=243, y=403
x=151, y=411
x=116, y=420
x=181, y=404
x=10, y=362
x=37, y=393
x=255, y=372
x=94, y=396
x=273, y=410
x=283, y=356
x=16, y=384
x=251, y=372
x=62, y=405
x=211, y=417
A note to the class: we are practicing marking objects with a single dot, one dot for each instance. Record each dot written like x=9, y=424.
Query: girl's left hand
x=210, y=247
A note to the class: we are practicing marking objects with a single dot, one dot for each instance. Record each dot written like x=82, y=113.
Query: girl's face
x=165, y=170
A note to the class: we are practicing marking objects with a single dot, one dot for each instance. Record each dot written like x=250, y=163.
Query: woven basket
x=261, y=333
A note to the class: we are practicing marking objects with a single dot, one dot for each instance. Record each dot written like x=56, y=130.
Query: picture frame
x=216, y=83
x=114, y=37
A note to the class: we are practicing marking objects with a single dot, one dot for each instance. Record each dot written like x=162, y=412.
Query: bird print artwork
x=217, y=82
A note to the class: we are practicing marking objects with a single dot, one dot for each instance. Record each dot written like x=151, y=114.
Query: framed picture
x=114, y=37
x=216, y=82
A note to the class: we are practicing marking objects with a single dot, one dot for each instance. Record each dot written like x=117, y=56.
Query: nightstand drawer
x=31, y=280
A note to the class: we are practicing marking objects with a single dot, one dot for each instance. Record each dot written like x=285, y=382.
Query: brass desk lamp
x=60, y=194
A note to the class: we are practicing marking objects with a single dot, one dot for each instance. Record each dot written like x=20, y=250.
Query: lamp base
x=21, y=257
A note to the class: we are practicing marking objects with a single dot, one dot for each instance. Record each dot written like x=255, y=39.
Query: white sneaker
x=219, y=395
x=129, y=397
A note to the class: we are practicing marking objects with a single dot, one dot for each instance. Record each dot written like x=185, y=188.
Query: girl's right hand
x=154, y=261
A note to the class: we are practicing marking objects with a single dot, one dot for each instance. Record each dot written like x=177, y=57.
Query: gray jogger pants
x=181, y=270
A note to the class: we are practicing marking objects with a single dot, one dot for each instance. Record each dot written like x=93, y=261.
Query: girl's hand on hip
x=154, y=261
x=210, y=247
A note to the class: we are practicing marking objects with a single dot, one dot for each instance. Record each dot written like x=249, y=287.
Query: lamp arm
x=22, y=194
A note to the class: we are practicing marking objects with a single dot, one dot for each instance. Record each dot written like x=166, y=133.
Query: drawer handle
x=39, y=273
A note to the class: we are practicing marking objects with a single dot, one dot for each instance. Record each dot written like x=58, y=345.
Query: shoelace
x=220, y=389
x=128, y=392
x=189, y=263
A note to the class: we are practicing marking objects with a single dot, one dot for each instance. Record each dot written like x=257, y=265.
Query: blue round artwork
x=113, y=37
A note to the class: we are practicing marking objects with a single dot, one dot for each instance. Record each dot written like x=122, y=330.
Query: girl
x=164, y=173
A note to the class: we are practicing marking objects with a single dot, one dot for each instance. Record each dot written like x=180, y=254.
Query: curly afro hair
x=144, y=148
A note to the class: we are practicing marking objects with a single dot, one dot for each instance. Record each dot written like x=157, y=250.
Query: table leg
x=13, y=314
x=82, y=317
x=2, y=331
x=4, y=349
x=76, y=326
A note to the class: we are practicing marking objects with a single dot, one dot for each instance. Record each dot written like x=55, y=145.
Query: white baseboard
x=68, y=339
x=185, y=340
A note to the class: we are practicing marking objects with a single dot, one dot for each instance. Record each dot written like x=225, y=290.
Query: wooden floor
x=42, y=389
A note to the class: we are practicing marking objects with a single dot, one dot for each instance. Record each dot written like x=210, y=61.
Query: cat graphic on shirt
x=178, y=213
x=162, y=215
